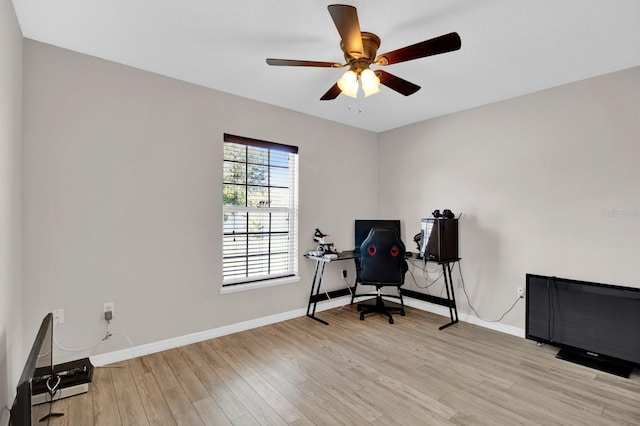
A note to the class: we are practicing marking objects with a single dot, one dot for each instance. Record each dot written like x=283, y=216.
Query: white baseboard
x=175, y=342
x=444, y=311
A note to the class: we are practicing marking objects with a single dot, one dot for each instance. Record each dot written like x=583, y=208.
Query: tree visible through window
x=260, y=210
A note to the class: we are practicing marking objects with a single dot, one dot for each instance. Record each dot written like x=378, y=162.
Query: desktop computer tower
x=439, y=239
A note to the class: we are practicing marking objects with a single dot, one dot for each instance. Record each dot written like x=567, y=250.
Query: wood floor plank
x=138, y=366
x=353, y=402
x=207, y=352
x=182, y=409
x=418, y=395
x=258, y=408
x=185, y=375
x=161, y=370
x=483, y=411
x=129, y=403
x=404, y=410
x=313, y=409
x=325, y=407
x=105, y=404
x=302, y=421
x=211, y=413
x=153, y=402
x=81, y=409
x=622, y=416
x=242, y=366
x=246, y=420
x=224, y=397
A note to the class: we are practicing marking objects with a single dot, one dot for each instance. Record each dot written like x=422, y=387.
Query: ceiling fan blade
x=398, y=84
x=346, y=20
x=331, y=93
x=435, y=46
x=298, y=63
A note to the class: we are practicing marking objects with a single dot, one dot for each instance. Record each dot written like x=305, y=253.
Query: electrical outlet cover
x=58, y=316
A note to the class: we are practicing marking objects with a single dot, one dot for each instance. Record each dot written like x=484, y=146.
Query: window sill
x=259, y=284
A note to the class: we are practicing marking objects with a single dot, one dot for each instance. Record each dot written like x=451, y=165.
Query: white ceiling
x=509, y=47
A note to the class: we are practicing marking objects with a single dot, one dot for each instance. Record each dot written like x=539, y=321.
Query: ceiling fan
x=360, y=50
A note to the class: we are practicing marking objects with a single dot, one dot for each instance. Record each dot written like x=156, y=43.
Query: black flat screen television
x=363, y=226
x=597, y=325
x=38, y=367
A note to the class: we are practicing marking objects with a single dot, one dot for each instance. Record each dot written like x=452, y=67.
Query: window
x=260, y=210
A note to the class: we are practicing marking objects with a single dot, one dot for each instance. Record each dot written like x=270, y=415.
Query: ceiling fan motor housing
x=370, y=43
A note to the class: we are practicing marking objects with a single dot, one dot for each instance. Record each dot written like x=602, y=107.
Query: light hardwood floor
x=300, y=372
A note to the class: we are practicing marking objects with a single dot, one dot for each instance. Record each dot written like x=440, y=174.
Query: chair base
x=380, y=308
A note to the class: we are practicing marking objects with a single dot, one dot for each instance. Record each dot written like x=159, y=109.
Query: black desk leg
x=313, y=299
x=453, y=295
x=353, y=293
x=448, y=283
x=355, y=281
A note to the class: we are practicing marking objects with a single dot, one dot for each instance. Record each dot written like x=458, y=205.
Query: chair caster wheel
x=361, y=317
x=402, y=313
x=390, y=320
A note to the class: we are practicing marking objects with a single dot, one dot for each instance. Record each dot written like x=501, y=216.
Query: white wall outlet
x=520, y=292
x=58, y=316
x=107, y=307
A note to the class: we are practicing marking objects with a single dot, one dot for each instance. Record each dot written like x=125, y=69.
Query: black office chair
x=382, y=264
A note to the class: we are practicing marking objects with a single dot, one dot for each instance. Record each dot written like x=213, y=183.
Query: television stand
x=608, y=366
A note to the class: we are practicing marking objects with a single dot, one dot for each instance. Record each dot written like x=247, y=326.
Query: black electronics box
x=439, y=239
x=71, y=374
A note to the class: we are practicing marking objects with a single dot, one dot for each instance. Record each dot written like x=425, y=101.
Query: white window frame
x=231, y=281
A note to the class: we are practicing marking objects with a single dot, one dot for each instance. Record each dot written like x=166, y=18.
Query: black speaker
x=439, y=239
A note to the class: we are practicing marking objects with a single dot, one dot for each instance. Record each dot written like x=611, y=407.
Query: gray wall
x=547, y=184
x=11, y=353
x=122, y=196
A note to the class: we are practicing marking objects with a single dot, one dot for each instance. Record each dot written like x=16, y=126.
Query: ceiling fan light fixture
x=370, y=82
x=360, y=50
x=348, y=83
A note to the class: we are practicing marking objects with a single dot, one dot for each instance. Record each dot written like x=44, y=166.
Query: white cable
x=464, y=289
x=83, y=348
x=93, y=346
x=329, y=297
x=353, y=296
x=54, y=387
x=133, y=350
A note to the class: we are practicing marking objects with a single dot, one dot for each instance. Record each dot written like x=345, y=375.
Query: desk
x=315, y=296
x=450, y=301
